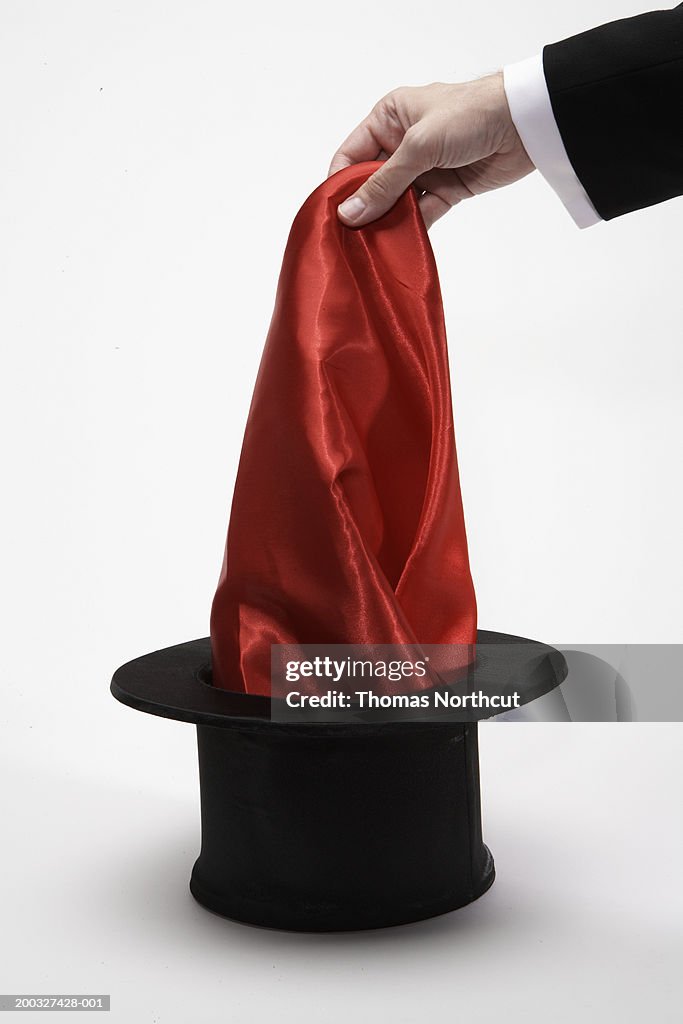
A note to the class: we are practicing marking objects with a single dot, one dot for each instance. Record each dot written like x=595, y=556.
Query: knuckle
x=377, y=187
x=412, y=134
x=416, y=137
x=387, y=100
x=395, y=99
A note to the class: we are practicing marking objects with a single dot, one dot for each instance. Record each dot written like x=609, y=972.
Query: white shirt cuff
x=532, y=114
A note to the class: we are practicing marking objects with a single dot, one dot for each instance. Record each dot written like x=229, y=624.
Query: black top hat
x=334, y=825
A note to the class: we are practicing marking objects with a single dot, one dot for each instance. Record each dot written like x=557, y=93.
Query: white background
x=154, y=155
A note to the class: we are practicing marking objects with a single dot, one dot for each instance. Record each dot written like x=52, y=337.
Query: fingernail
x=352, y=208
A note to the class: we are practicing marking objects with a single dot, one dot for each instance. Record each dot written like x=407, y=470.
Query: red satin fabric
x=347, y=522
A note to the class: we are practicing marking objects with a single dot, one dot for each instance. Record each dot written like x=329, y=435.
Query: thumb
x=382, y=189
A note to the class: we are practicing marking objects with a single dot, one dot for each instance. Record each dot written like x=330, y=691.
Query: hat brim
x=175, y=683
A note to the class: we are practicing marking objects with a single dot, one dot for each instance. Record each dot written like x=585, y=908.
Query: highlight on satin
x=347, y=521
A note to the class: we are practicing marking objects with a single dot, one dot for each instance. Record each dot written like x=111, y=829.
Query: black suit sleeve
x=617, y=96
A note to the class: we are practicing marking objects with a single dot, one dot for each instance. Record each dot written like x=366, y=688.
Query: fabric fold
x=347, y=523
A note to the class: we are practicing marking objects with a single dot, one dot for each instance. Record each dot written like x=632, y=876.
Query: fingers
x=379, y=193
x=447, y=184
x=432, y=207
x=442, y=189
x=359, y=146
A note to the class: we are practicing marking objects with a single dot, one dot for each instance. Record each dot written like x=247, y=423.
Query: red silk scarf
x=347, y=522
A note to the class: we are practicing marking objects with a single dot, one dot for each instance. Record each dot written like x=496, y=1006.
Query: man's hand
x=450, y=141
